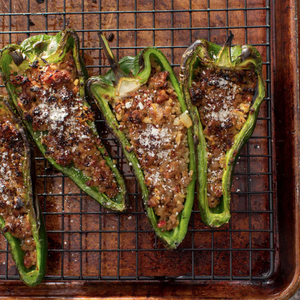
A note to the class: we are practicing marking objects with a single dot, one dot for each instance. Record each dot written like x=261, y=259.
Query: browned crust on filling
x=13, y=203
x=50, y=100
x=149, y=118
x=223, y=99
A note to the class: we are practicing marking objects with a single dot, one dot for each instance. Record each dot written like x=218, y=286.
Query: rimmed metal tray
x=97, y=253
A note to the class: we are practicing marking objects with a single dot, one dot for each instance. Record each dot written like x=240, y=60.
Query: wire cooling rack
x=91, y=243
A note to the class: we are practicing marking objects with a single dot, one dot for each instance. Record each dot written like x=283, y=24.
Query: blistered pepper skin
x=53, y=49
x=35, y=274
x=207, y=54
x=139, y=68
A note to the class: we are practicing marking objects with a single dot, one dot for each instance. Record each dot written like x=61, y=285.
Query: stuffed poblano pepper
x=21, y=219
x=224, y=89
x=143, y=105
x=45, y=79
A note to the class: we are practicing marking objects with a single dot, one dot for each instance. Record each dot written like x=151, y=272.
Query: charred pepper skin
x=52, y=49
x=35, y=274
x=140, y=69
x=239, y=57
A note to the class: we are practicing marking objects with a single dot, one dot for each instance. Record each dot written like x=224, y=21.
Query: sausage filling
x=13, y=203
x=49, y=97
x=223, y=99
x=150, y=119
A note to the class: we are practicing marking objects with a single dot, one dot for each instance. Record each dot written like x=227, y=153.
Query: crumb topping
x=50, y=100
x=150, y=119
x=13, y=202
x=223, y=98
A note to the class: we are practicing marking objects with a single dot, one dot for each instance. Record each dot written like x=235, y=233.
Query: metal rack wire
x=88, y=242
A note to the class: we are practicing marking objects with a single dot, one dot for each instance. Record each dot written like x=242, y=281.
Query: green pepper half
x=139, y=68
x=52, y=49
x=34, y=275
x=203, y=54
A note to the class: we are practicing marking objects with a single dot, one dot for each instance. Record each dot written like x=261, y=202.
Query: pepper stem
x=224, y=56
x=111, y=59
x=229, y=39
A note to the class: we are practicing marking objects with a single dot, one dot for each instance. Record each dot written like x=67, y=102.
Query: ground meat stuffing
x=13, y=203
x=49, y=97
x=223, y=99
x=149, y=118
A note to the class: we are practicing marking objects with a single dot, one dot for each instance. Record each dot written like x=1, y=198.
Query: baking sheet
x=87, y=242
